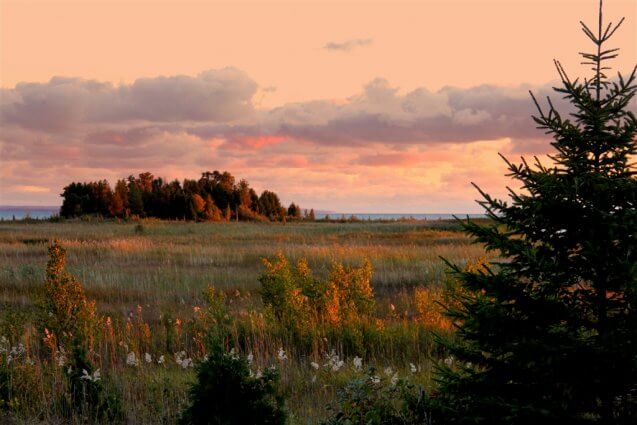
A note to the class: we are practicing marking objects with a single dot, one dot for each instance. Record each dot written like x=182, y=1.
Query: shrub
x=88, y=396
x=140, y=229
x=227, y=392
x=68, y=320
x=379, y=400
x=280, y=290
x=350, y=293
x=67, y=316
x=296, y=296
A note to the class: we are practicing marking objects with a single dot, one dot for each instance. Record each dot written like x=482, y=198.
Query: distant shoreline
x=8, y=212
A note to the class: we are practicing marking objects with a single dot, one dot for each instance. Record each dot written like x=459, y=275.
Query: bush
x=376, y=400
x=88, y=396
x=297, y=297
x=68, y=321
x=67, y=316
x=227, y=392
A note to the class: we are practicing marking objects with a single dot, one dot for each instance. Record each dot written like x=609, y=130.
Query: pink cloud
x=378, y=150
x=251, y=142
x=402, y=159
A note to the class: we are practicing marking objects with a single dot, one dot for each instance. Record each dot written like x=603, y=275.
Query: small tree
x=227, y=393
x=68, y=319
x=67, y=316
x=550, y=335
x=294, y=211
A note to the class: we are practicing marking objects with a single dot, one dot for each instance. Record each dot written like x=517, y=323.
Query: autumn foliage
x=296, y=295
x=216, y=196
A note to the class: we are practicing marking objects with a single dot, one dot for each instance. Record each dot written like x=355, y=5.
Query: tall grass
x=154, y=307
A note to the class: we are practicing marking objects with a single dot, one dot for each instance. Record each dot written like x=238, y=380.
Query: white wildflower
x=282, y=355
x=148, y=358
x=358, y=363
x=394, y=379
x=389, y=371
x=131, y=359
x=314, y=365
x=449, y=361
x=334, y=362
x=259, y=374
x=374, y=379
x=337, y=365
x=412, y=368
x=250, y=358
x=182, y=360
x=91, y=377
x=60, y=356
x=161, y=359
x=85, y=375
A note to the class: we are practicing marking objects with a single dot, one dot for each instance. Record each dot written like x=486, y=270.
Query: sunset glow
x=340, y=106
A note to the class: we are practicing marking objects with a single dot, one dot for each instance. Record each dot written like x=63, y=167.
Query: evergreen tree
x=135, y=199
x=294, y=211
x=549, y=334
x=227, y=392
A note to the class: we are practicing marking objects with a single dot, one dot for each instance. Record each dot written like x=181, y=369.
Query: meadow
x=151, y=283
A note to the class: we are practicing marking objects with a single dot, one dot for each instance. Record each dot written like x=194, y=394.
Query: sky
x=347, y=106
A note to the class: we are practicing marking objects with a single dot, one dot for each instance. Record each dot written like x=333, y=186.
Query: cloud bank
x=381, y=149
x=64, y=103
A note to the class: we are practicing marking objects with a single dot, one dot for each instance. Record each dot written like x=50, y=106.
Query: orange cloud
x=406, y=159
x=32, y=189
x=252, y=142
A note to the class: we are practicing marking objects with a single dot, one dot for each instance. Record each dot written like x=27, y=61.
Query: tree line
x=216, y=196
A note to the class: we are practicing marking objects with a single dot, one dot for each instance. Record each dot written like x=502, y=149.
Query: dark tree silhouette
x=294, y=211
x=213, y=197
x=270, y=205
x=549, y=335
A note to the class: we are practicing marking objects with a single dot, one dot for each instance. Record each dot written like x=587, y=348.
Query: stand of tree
x=215, y=196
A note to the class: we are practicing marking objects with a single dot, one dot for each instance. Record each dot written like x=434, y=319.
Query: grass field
x=140, y=274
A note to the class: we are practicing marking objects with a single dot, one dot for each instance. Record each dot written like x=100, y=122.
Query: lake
x=19, y=212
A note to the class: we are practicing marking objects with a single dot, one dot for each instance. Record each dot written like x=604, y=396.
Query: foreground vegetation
x=160, y=286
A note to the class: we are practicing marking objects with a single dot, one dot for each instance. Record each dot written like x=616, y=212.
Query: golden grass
x=149, y=291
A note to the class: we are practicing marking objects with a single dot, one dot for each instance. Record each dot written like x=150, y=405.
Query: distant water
x=8, y=213
x=397, y=216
